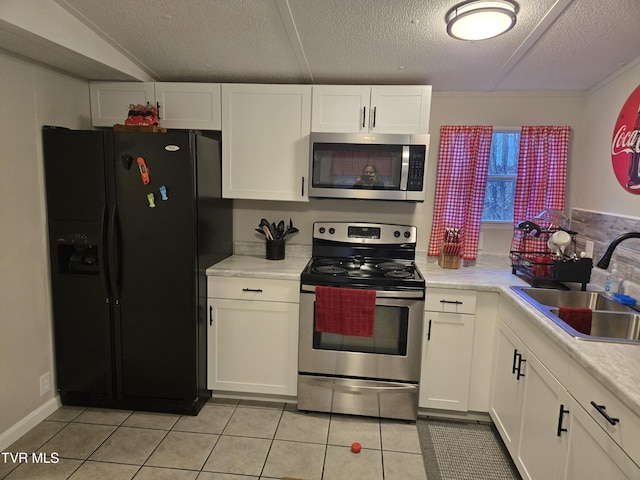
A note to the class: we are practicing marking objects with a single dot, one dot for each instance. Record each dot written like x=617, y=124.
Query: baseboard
x=481, y=417
x=258, y=397
x=16, y=431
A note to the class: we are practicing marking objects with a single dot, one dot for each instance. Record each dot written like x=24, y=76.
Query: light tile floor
x=228, y=440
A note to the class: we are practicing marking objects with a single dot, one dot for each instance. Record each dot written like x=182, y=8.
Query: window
x=501, y=178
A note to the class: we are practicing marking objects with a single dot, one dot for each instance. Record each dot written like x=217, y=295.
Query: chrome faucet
x=606, y=258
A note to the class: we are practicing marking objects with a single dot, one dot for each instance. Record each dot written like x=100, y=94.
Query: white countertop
x=615, y=365
x=259, y=267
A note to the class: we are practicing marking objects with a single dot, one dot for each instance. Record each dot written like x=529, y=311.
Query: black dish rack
x=545, y=268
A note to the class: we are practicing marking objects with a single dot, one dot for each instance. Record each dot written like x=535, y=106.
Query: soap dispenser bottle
x=613, y=281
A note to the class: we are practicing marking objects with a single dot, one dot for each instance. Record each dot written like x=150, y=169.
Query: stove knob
x=407, y=234
x=332, y=230
x=321, y=230
x=396, y=234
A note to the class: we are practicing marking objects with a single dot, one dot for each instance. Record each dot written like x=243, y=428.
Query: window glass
x=501, y=179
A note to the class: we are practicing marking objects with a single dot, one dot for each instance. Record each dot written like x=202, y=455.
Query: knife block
x=448, y=261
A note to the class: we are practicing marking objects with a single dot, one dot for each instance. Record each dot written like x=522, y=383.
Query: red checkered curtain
x=542, y=177
x=463, y=163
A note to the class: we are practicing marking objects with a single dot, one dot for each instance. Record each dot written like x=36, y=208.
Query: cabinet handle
x=601, y=411
x=562, y=412
x=452, y=302
x=257, y=290
x=519, y=374
x=515, y=357
x=302, y=192
x=429, y=331
x=158, y=110
x=210, y=315
x=364, y=115
x=374, y=116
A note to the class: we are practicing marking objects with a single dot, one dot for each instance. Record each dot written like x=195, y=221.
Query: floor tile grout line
x=266, y=458
x=219, y=435
x=331, y=419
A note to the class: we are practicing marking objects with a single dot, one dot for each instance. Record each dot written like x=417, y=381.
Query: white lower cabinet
x=547, y=432
x=447, y=346
x=508, y=389
x=447, y=340
x=253, y=336
x=592, y=453
x=543, y=440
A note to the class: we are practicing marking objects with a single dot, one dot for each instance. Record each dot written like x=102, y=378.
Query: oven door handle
x=379, y=293
x=341, y=387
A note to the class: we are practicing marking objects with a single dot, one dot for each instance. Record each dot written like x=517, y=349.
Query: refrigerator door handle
x=114, y=254
x=102, y=256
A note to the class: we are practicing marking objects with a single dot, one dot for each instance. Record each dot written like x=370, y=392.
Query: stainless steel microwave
x=368, y=166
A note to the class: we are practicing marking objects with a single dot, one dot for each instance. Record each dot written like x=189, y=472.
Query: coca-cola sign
x=625, y=145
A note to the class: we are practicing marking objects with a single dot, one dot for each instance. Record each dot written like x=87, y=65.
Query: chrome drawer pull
x=601, y=411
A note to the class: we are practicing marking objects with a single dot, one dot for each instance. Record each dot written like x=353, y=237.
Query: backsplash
x=602, y=229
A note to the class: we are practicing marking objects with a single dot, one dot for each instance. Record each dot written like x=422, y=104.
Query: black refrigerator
x=134, y=220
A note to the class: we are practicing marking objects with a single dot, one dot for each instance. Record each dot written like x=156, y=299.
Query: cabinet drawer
x=263, y=289
x=450, y=300
x=626, y=431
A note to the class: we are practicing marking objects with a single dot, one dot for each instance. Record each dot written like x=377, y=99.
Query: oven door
x=392, y=353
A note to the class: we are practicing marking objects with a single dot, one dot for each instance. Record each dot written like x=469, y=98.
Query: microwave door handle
x=404, y=173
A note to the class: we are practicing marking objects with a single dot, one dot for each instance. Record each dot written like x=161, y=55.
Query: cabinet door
x=110, y=100
x=542, y=443
x=507, y=390
x=340, y=108
x=400, y=109
x=189, y=105
x=446, y=361
x=265, y=141
x=592, y=454
x=253, y=347
x=484, y=335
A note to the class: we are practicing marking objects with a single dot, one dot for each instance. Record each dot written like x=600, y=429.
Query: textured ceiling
x=555, y=45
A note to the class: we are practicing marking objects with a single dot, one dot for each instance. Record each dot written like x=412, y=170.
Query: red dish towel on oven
x=577, y=318
x=346, y=311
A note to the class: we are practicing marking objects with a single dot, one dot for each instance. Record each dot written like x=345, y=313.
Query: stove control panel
x=376, y=233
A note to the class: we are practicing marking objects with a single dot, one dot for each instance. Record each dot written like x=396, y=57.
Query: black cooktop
x=362, y=272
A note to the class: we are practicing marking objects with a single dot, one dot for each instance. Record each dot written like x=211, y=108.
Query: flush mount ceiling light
x=481, y=19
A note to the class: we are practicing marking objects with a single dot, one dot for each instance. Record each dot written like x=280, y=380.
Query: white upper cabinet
x=265, y=141
x=189, y=105
x=110, y=100
x=180, y=104
x=401, y=109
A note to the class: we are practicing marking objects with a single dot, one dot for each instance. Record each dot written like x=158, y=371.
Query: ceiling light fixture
x=481, y=19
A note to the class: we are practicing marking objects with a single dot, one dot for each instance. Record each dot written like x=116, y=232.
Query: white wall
x=30, y=96
x=512, y=109
x=597, y=187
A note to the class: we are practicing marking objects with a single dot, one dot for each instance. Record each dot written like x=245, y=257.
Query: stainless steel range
x=367, y=361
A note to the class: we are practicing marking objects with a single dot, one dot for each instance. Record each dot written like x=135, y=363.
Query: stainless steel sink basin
x=574, y=298
x=612, y=325
x=610, y=320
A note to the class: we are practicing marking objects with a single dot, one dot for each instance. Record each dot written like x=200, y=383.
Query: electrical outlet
x=45, y=383
x=589, y=249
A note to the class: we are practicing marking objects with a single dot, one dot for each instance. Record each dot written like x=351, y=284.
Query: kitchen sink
x=574, y=298
x=612, y=325
x=610, y=321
